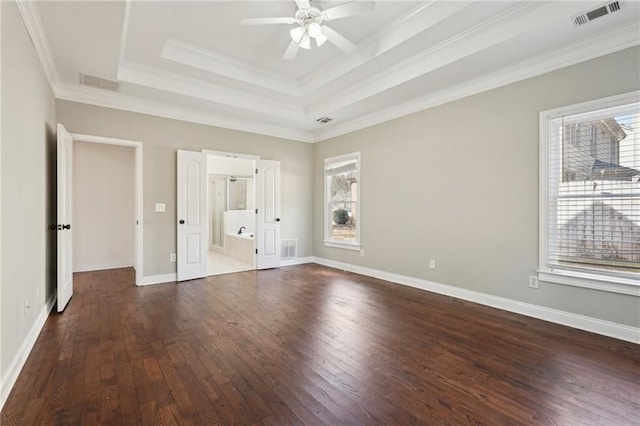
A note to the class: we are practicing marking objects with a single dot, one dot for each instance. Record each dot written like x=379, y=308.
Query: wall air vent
x=324, y=120
x=100, y=83
x=289, y=248
x=598, y=12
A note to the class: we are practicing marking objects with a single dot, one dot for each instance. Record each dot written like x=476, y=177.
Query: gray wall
x=161, y=138
x=27, y=188
x=459, y=183
x=103, y=206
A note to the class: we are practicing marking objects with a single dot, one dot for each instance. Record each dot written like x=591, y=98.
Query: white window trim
x=327, y=241
x=629, y=286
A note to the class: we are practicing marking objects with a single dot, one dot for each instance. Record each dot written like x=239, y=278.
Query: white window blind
x=593, y=189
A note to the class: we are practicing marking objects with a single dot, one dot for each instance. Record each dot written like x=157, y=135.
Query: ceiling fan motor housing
x=309, y=16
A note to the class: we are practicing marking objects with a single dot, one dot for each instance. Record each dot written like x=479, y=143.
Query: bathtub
x=240, y=247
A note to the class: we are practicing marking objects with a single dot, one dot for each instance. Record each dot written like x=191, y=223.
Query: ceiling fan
x=310, y=19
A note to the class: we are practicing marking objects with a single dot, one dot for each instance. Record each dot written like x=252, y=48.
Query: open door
x=268, y=214
x=192, y=235
x=65, y=201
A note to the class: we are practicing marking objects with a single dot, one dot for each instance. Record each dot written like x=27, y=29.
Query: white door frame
x=138, y=237
x=231, y=154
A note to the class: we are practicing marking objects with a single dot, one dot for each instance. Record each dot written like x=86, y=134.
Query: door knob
x=181, y=222
x=66, y=226
x=277, y=219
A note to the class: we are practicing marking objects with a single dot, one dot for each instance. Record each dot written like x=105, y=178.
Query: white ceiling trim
x=402, y=29
x=604, y=44
x=610, y=42
x=177, y=83
x=103, y=98
x=407, y=26
x=504, y=26
x=196, y=57
x=33, y=22
x=125, y=30
x=115, y=100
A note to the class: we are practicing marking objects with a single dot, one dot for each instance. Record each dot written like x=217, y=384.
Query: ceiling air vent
x=324, y=120
x=100, y=83
x=598, y=12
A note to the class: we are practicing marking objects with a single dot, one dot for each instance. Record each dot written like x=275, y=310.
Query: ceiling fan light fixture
x=305, y=43
x=297, y=33
x=314, y=29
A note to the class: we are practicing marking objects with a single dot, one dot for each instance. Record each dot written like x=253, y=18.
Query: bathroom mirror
x=239, y=193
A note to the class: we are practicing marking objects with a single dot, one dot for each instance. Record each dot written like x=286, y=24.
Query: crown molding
x=416, y=21
x=31, y=17
x=572, y=54
x=512, y=22
x=179, y=84
x=114, y=100
x=186, y=54
x=125, y=30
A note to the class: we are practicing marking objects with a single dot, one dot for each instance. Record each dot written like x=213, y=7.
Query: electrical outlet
x=432, y=264
x=533, y=281
x=361, y=252
x=172, y=257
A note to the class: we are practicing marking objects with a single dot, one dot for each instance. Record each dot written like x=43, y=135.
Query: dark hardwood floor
x=312, y=345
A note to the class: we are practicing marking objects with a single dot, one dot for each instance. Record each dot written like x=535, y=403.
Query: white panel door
x=192, y=215
x=268, y=212
x=65, y=201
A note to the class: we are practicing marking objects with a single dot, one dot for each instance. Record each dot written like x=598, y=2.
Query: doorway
x=231, y=214
x=103, y=206
x=194, y=238
x=112, y=149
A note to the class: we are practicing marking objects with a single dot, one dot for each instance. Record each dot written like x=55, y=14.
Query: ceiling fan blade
x=303, y=4
x=339, y=41
x=292, y=50
x=353, y=8
x=267, y=21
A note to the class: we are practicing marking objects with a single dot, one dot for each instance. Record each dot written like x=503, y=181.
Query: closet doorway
x=107, y=204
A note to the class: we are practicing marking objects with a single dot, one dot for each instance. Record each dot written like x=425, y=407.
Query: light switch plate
x=160, y=207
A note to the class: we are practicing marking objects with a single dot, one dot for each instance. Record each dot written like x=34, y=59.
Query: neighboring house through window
x=590, y=194
x=342, y=201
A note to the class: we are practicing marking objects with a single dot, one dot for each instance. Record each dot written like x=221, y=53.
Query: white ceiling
x=195, y=61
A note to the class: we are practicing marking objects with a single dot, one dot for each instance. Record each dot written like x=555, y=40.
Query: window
x=342, y=201
x=590, y=194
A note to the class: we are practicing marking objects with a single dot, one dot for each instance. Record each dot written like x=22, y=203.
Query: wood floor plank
x=312, y=345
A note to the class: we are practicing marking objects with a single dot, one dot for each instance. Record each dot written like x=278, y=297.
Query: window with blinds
x=593, y=189
x=342, y=201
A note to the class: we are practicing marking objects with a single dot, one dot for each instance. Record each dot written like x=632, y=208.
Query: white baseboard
x=594, y=325
x=11, y=375
x=296, y=261
x=158, y=279
x=103, y=267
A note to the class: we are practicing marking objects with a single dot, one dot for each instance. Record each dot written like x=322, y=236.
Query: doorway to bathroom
x=231, y=213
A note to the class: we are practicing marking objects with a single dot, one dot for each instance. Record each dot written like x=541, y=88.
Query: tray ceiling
x=195, y=61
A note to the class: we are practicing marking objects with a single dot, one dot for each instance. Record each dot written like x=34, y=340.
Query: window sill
x=354, y=247
x=596, y=282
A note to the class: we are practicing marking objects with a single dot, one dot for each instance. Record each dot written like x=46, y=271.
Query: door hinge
x=256, y=171
x=256, y=251
x=256, y=211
